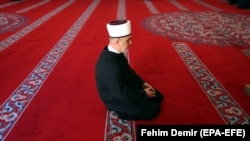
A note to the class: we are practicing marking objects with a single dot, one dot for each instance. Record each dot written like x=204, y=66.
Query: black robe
x=121, y=89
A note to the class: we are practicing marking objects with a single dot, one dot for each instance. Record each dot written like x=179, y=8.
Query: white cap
x=119, y=28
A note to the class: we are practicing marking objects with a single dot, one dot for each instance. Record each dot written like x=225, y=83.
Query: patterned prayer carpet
x=195, y=52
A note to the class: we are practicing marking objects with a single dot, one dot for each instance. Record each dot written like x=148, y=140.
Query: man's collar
x=110, y=48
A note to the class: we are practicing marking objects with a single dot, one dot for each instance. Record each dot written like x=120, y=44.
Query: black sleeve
x=116, y=83
x=138, y=79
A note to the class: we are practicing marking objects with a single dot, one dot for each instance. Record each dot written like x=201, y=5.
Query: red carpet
x=48, y=53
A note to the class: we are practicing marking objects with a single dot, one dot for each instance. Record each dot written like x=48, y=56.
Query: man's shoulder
x=108, y=61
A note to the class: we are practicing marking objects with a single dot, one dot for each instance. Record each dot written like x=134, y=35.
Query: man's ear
x=117, y=40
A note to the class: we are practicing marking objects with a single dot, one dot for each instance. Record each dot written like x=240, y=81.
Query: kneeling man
x=119, y=87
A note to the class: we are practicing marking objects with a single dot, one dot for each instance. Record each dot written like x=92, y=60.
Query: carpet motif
x=9, y=4
x=178, y=5
x=208, y=5
x=151, y=7
x=229, y=110
x=121, y=10
x=118, y=129
x=33, y=6
x=215, y=28
x=15, y=105
x=26, y=30
x=10, y=22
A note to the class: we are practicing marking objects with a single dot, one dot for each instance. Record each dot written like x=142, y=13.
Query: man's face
x=124, y=43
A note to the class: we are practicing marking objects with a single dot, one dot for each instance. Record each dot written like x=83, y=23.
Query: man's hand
x=150, y=91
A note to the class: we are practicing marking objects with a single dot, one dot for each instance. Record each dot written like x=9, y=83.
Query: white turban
x=119, y=28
